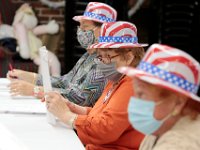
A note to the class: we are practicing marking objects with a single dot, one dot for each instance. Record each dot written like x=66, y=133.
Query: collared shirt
x=83, y=85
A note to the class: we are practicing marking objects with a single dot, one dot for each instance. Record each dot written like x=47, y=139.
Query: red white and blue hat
x=98, y=12
x=118, y=34
x=170, y=68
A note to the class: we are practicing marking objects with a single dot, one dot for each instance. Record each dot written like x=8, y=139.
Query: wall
x=44, y=14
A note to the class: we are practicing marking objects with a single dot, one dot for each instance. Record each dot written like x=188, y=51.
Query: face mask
x=85, y=38
x=109, y=71
x=140, y=113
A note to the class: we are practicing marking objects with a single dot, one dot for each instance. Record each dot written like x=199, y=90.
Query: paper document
x=44, y=61
x=31, y=106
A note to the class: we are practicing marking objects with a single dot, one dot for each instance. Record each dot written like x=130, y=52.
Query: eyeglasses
x=107, y=59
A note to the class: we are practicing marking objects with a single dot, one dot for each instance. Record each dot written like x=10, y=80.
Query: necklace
x=112, y=89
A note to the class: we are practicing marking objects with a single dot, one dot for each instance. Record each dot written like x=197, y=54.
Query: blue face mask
x=140, y=113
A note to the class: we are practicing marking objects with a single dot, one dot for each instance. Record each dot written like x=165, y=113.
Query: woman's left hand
x=20, y=87
x=56, y=104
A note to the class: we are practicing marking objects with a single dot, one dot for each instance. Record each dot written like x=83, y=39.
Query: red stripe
x=182, y=60
x=158, y=49
x=127, y=35
x=92, y=46
x=126, y=46
x=102, y=15
x=155, y=50
x=105, y=27
x=98, y=45
x=101, y=7
x=178, y=74
x=111, y=44
x=118, y=28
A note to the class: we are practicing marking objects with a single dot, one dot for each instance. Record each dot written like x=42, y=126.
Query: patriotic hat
x=118, y=34
x=98, y=12
x=170, y=68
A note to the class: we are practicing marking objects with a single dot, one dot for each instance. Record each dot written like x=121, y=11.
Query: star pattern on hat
x=169, y=77
x=99, y=17
x=118, y=39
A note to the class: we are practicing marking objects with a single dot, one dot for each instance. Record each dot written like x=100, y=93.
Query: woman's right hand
x=22, y=75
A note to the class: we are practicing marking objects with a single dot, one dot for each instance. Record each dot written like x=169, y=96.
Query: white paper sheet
x=44, y=61
x=18, y=104
x=24, y=106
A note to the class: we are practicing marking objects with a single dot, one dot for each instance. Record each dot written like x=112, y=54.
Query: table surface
x=33, y=131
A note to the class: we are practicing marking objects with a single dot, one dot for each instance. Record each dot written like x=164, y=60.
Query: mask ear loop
x=94, y=28
x=174, y=113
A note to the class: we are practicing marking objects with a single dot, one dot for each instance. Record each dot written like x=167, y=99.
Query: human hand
x=20, y=87
x=56, y=104
x=22, y=75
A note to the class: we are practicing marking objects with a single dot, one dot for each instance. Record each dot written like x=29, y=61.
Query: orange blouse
x=106, y=125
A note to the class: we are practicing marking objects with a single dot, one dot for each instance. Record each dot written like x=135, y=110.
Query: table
x=33, y=131
x=36, y=134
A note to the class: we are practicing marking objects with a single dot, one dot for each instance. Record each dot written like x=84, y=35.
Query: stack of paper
x=18, y=104
x=27, y=106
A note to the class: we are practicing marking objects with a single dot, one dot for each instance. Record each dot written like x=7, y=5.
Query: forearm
x=96, y=129
x=79, y=96
x=54, y=81
x=69, y=119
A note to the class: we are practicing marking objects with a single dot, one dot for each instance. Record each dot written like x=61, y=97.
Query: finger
x=47, y=106
x=8, y=75
x=69, y=104
x=42, y=99
x=13, y=85
x=48, y=99
x=15, y=94
x=53, y=94
x=13, y=88
x=13, y=74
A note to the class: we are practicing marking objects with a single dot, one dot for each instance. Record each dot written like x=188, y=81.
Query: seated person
x=166, y=107
x=106, y=125
x=85, y=82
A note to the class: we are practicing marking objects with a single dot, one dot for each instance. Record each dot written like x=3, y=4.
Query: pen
x=10, y=67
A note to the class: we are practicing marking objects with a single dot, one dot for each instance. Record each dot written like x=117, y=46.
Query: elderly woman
x=166, y=107
x=106, y=125
x=85, y=82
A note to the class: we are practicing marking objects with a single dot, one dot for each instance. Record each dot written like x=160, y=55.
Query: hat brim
x=78, y=18
x=115, y=45
x=133, y=72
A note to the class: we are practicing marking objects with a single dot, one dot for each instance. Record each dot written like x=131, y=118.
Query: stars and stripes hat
x=98, y=12
x=170, y=68
x=118, y=34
